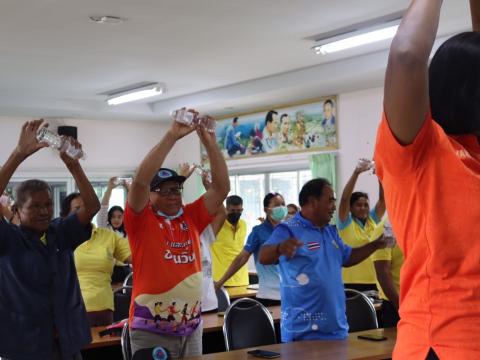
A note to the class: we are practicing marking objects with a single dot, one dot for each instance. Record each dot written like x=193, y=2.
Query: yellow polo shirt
x=355, y=235
x=229, y=243
x=94, y=260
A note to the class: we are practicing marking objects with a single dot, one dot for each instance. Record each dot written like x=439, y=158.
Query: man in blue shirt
x=269, y=283
x=310, y=256
x=231, y=142
x=41, y=309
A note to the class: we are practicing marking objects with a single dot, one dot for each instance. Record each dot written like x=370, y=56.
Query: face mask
x=279, y=213
x=233, y=218
x=171, y=217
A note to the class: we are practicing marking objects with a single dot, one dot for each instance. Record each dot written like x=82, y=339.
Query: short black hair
x=283, y=116
x=26, y=188
x=235, y=119
x=269, y=116
x=312, y=188
x=268, y=197
x=66, y=203
x=454, y=84
x=234, y=200
x=357, y=195
x=293, y=206
x=328, y=101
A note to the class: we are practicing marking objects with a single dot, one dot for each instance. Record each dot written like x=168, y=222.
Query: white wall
x=117, y=147
x=359, y=115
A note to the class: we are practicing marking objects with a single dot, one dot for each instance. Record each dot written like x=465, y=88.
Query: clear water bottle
x=200, y=170
x=123, y=181
x=60, y=143
x=209, y=123
x=389, y=234
x=185, y=117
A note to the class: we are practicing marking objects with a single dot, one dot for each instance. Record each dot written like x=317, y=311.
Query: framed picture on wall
x=293, y=128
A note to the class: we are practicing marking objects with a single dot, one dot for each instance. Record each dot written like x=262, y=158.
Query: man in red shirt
x=164, y=239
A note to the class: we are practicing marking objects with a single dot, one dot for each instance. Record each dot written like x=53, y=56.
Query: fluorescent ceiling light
x=136, y=94
x=369, y=32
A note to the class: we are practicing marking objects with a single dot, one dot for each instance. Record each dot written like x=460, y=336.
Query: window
x=253, y=188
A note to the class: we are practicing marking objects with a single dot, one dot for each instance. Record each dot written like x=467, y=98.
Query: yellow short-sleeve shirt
x=225, y=248
x=355, y=235
x=94, y=260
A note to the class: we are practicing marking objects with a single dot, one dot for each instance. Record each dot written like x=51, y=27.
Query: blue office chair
x=247, y=324
x=361, y=314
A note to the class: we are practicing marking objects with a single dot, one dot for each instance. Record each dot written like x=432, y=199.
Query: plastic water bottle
x=389, y=234
x=123, y=181
x=60, y=143
x=200, y=170
x=209, y=123
x=185, y=117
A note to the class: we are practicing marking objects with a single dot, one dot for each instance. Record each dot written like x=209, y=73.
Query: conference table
x=237, y=292
x=349, y=349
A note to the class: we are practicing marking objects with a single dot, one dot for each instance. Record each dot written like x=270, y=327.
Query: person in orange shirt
x=428, y=158
x=164, y=237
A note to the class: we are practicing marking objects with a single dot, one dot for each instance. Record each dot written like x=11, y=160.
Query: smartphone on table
x=372, y=337
x=264, y=354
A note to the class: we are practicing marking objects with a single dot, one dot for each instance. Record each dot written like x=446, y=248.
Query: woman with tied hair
x=428, y=159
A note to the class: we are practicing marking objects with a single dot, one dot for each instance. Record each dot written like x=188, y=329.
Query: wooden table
x=237, y=292
x=349, y=349
x=102, y=341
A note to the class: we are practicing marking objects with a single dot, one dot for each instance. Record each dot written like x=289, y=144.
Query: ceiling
x=220, y=56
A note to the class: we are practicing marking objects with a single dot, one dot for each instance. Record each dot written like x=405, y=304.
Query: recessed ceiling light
x=107, y=19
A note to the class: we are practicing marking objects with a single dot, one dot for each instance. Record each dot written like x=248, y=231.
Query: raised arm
x=475, y=10
x=102, y=216
x=220, y=185
x=380, y=206
x=344, y=208
x=26, y=146
x=406, y=98
x=140, y=188
x=89, y=197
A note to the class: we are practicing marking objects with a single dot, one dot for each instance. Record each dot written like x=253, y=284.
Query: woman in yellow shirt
x=94, y=260
x=356, y=225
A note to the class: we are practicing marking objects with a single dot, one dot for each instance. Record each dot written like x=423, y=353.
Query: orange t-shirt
x=167, y=273
x=432, y=191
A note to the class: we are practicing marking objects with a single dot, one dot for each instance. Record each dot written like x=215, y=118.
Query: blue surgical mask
x=279, y=213
x=171, y=217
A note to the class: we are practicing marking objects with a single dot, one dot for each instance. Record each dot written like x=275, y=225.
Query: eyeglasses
x=168, y=192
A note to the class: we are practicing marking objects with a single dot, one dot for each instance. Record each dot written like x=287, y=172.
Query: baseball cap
x=164, y=175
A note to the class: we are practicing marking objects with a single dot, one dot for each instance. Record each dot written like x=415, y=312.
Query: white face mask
x=171, y=217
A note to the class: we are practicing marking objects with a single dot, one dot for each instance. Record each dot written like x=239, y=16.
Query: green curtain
x=325, y=166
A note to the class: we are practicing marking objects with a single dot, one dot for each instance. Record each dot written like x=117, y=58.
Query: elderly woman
x=41, y=307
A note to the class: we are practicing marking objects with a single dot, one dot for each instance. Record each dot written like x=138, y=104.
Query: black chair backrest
x=125, y=342
x=360, y=311
x=247, y=324
x=223, y=299
x=128, y=280
x=121, y=303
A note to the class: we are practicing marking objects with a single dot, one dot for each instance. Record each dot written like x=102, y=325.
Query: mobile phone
x=264, y=354
x=372, y=337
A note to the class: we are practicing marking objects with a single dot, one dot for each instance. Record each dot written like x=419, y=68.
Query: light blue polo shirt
x=313, y=297
x=268, y=278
